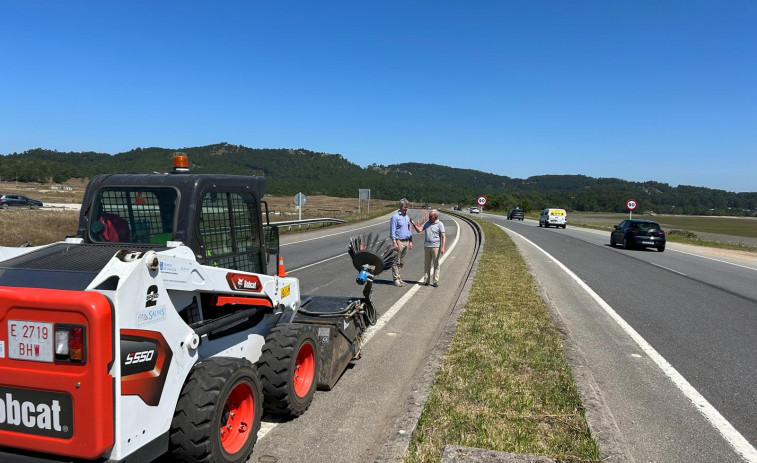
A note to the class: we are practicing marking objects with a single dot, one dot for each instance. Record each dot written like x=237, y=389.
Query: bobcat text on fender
x=36, y=412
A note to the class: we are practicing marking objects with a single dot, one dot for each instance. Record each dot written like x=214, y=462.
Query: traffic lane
x=701, y=264
x=336, y=274
x=308, y=248
x=353, y=421
x=634, y=410
x=736, y=276
x=706, y=333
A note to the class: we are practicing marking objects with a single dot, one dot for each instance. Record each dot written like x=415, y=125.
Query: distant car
x=638, y=233
x=556, y=217
x=9, y=200
x=458, y=208
x=475, y=210
x=515, y=213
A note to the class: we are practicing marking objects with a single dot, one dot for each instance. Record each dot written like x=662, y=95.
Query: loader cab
x=133, y=215
x=222, y=218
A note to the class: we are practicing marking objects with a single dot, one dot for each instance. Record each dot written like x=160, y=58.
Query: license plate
x=30, y=340
x=647, y=242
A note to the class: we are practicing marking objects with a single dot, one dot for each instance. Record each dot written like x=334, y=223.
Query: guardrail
x=308, y=222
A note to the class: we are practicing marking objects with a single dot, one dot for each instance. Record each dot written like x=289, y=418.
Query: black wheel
x=626, y=244
x=564, y=225
x=218, y=415
x=660, y=248
x=612, y=241
x=288, y=368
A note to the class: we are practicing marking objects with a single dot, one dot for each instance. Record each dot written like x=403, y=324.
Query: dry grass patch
x=36, y=226
x=504, y=384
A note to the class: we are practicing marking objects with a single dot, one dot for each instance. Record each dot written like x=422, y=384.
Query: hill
x=293, y=170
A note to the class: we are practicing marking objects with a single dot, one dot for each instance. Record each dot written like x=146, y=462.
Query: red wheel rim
x=304, y=370
x=237, y=419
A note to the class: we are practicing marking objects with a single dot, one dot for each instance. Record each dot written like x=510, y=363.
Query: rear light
x=662, y=232
x=61, y=344
x=633, y=231
x=70, y=343
x=76, y=344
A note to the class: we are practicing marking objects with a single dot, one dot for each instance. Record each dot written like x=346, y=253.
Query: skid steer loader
x=158, y=328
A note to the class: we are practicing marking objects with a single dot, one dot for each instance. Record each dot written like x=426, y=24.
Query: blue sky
x=639, y=90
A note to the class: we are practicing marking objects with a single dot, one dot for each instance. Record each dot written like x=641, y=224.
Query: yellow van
x=556, y=217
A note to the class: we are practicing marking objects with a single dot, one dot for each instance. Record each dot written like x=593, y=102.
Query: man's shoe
x=435, y=285
x=402, y=283
x=426, y=283
x=397, y=283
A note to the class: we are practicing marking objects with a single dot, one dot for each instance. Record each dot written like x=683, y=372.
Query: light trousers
x=399, y=261
x=431, y=259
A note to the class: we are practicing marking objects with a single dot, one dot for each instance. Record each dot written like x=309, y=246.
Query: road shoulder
x=635, y=412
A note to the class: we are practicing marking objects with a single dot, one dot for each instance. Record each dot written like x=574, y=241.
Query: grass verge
x=504, y=383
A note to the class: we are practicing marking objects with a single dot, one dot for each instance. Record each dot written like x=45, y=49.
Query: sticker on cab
x=2, y=349
x=285, y=291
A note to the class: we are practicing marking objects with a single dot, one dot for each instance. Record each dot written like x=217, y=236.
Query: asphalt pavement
x=643, y=397
x=371, y=412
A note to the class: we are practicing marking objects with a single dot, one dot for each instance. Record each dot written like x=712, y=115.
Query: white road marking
x=712, y=258
x=333, y=234
x=729, y=433
x=267, y=426
x=316, y=263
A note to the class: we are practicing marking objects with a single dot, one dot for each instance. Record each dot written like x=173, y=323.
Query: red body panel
x=89, y=386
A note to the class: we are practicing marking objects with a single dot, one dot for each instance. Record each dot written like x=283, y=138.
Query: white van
x=556, y=217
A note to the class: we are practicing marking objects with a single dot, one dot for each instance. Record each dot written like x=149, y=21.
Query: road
x=365, y=416
x=661, y=344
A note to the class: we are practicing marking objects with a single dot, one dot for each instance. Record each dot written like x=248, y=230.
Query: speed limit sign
x=631, y=204
x=481, y=201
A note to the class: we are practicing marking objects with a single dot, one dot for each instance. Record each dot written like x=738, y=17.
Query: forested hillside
x=290, y=171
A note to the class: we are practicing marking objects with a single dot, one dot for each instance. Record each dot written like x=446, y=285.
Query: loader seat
x=116, y=228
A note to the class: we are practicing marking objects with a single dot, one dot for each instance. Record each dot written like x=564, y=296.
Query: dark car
x=458, y=208
x=9, y=200
x=515, y=213
x=638, y=234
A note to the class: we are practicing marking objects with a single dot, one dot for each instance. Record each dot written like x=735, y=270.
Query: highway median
x=504, y=384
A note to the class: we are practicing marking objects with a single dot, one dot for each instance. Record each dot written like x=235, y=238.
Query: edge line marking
x=718, y=421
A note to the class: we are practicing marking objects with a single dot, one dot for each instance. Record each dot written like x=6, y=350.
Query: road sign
x=300, y=199
x=631, y=204
x=481, y=201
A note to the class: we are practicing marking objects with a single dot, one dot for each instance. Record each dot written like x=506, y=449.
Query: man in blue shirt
x=402, y=239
